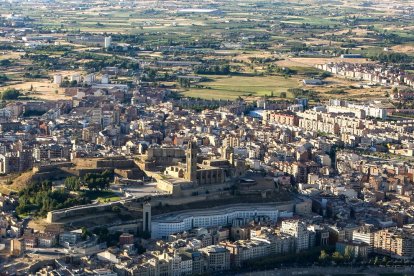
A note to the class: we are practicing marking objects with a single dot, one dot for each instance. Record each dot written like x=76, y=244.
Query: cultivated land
x=249, y=40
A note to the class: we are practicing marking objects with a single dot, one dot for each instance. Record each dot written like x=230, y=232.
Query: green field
x=102, y=196
x=231, y=87
x=309, y=20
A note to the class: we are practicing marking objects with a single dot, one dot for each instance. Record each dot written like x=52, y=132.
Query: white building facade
x=168, y=224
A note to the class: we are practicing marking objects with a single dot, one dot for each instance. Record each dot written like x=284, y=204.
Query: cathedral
x=210, y=172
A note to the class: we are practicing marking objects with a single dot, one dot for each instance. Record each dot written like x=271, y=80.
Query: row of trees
x=272, y=68
x=3, y=78
x=337, y=92
x=392, y=58
x=67, y=83
x=45, y=61
x=325, y=258
x=213, y=70
x=299, y=93
x=100, y=64
x=336, y=256
x=34, y=75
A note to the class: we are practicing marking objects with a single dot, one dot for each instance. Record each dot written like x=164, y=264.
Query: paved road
x=328, y=271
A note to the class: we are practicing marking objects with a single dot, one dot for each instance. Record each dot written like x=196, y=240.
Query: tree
x=98, y=181
x=337, y=257
x=102, y=233
x=85, y=233
x=184, y=82
x=38, y=198
x=283, y=95
x=73, y=183
x=10, y=94
x=116, y=209
x=3, y=78
x=348, y=253
x=152, y=74
x=376, y=261
x=323, y=257
x=384, y=260
x=5, y=62
x=325, y=75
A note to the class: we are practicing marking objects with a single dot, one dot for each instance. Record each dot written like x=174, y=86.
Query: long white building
x=167, y=224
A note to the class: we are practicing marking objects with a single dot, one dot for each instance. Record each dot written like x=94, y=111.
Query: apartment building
x=244, y=250
x=332, y=123
x=366, y=235
x=394, y=242
x=279, y=243
x=276, y=117
x=217, y=258
x=297, y=229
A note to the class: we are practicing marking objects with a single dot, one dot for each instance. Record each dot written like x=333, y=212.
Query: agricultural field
x=256, y=44
x=232, y=87
x=253, y=87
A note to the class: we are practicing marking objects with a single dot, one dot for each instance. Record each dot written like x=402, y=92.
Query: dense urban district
x=184, y=137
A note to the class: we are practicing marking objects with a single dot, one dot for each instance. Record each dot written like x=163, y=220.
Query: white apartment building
x=297, y=229
x=370, y=111
x=365, y=235
x=107, y=42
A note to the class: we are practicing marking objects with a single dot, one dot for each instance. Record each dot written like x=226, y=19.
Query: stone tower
x=228, y=154
x=146, y=210
x=191, y=161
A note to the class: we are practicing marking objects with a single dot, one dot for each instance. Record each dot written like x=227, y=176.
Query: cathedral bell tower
x=191, y=161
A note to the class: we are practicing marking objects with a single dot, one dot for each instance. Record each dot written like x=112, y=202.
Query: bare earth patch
x=41, y=90
x=408, y=49
x=311, y=62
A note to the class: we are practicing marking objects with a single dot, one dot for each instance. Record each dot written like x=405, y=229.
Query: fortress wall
x=113, y=162
x=55, y=216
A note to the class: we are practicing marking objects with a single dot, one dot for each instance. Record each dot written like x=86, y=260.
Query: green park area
x=102, y=196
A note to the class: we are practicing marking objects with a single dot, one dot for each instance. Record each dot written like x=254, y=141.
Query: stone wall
x=98, y=163
x=134, y=173
x=51, y=167
x=55, y=216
